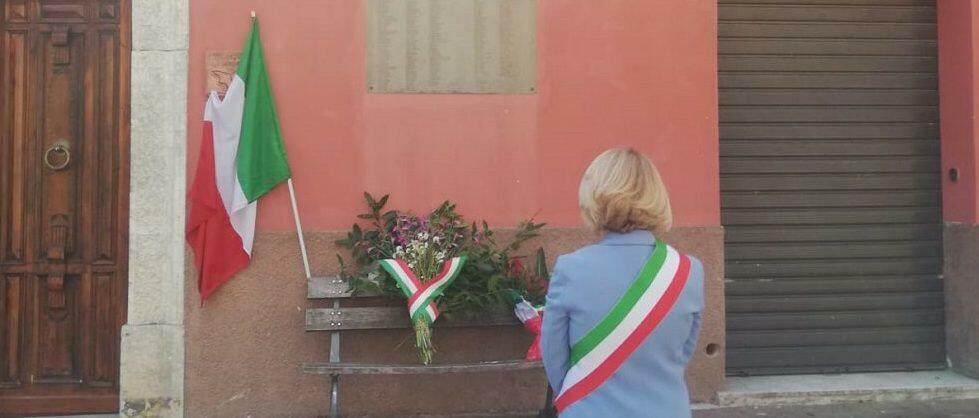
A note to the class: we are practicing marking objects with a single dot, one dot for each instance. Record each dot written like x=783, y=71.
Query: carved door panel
x=64, y=100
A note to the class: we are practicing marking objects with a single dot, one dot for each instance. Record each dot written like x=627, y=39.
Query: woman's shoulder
x=569, y=267
x=583, y=257
x=696, y=266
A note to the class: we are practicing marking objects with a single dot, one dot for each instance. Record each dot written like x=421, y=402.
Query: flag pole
x=295, y=217
x=299, y=228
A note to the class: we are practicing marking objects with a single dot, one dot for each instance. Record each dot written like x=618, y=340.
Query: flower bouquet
x=438, y=263
x=528, y=299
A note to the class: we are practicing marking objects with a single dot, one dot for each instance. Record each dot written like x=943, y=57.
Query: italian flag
x=241, y=159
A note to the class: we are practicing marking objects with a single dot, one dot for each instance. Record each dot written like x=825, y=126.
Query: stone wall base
x=961, y=290
x=153, y=384
x=245, y=345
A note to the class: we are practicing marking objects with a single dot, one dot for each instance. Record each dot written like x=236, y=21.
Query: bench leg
x=334, y=402
x=549, y=411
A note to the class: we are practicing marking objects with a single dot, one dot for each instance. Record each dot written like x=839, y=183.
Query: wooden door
x=831, y=185
x=64, y=100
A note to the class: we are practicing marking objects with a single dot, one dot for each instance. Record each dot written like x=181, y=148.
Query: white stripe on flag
x=643, y=306
x=225, y=116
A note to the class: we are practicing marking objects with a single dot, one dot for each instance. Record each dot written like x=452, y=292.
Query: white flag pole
x=299, y=228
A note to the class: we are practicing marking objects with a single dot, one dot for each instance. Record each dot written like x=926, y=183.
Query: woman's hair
x=621, y=191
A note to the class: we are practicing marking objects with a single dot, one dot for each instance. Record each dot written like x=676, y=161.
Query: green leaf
x=390, y=215
x=493, y=284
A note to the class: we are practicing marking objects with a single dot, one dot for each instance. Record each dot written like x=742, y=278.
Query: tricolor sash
x=421, y=296
x=601, y=352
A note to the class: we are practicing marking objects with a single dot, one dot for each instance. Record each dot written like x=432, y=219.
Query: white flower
x=436, y=239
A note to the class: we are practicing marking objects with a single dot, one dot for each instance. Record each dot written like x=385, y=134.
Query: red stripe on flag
x=218, y=250
x=631, y=343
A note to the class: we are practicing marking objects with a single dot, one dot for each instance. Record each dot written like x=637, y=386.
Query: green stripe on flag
x=262, y=162
x=622, y=308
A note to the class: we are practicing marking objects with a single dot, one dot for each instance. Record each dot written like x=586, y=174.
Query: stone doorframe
x=152, y=350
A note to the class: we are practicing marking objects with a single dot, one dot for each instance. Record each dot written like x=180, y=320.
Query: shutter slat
x=814, y=80
x=859, y=336
x=837, y=285
x=919, y=31
x=820, y=164
x=829, y=268
x=809, y=13
x=762, y=182
x=833, y=320
x=802, y=147
x=779, y=251
x=879, y=3
x=855, y=302
x=830, y=114
x=831, y=233
x=741, y=200
x=849, y=131
x=834, y=356
x=827, y=97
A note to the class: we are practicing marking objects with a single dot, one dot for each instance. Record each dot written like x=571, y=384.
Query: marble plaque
x=452, y=46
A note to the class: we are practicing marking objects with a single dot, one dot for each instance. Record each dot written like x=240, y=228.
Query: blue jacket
x=584, y=286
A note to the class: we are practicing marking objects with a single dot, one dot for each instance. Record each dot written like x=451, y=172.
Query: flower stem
x=423, y=341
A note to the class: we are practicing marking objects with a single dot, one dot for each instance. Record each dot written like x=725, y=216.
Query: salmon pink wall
x=611, y=73
x=958, y=60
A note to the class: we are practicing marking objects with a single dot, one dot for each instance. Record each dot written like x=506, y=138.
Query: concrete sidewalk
x=968, y=408
x=922, y=394
x=907, y=409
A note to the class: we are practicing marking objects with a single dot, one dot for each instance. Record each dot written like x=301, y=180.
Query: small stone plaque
x=220, y=67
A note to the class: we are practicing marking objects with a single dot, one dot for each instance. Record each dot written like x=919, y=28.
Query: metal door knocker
x=55, y=149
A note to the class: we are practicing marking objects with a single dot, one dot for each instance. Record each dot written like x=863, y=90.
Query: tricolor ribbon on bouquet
x=421, y=296
x=531, y=316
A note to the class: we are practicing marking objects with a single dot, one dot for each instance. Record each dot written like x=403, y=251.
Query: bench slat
x=330, y=287
x=366, y=368
x=392, y=317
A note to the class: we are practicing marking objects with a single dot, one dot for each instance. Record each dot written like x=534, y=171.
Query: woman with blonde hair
x=622, y=316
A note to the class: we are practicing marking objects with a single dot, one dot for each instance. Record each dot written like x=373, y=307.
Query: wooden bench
x=338, y=319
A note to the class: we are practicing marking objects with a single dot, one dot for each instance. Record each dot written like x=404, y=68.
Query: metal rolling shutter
x=830, y=185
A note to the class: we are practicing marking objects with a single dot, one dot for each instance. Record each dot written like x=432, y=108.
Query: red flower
x=516, y=267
